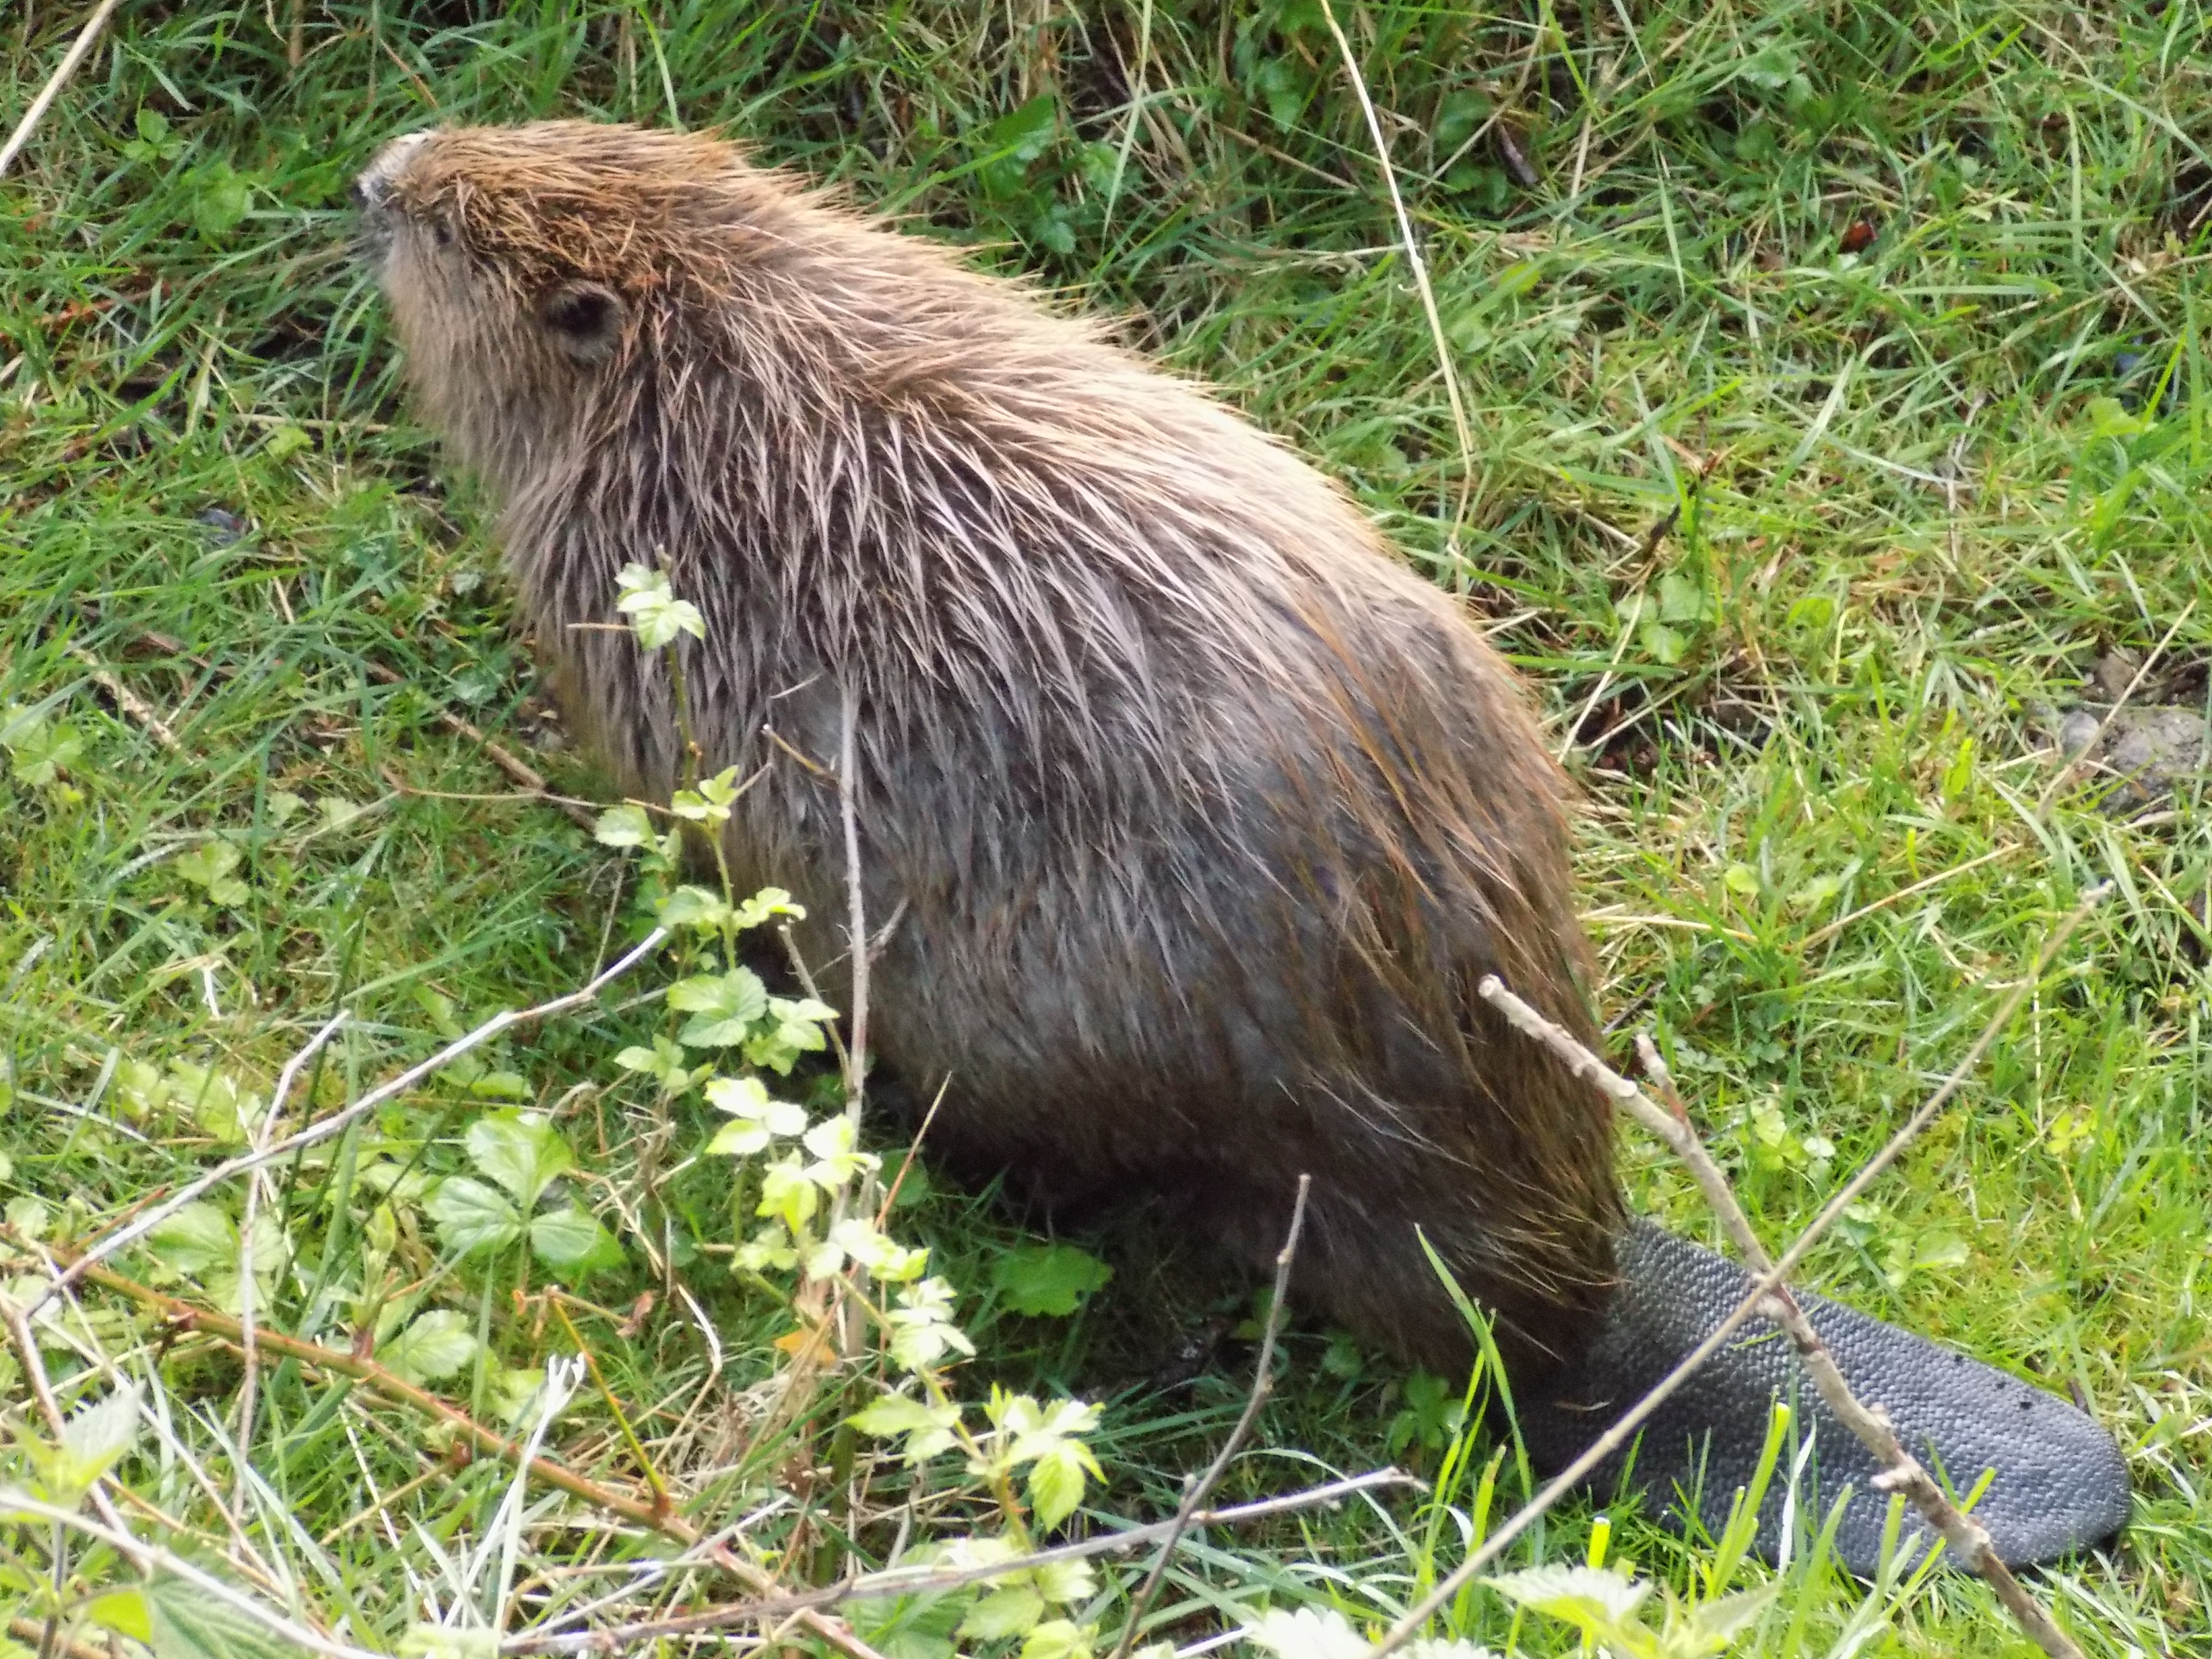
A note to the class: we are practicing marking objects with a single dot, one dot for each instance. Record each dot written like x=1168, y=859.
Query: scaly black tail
x=2060, y=1482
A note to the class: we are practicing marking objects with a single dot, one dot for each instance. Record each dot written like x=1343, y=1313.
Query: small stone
x=2115, y=672
x=2151, y=747
x=227, y=525
x=2142, y=750
x=2077, y=732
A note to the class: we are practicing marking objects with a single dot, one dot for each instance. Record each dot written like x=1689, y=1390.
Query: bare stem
x=55, y=83
x=848, y=808
x=1263, y=1384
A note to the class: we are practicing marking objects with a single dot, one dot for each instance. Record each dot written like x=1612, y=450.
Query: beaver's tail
x=2060, y=1484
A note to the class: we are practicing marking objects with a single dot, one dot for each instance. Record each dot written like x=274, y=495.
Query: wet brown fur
x=1206, y=814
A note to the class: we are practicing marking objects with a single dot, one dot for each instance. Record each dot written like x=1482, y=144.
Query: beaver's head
x=527, y=267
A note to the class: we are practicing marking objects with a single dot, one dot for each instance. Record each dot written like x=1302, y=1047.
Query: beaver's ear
x=584, y=319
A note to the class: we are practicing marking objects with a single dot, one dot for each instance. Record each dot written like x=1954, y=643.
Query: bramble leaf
x=1047, y=1279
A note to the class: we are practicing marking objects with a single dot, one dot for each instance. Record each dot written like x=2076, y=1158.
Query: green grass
x=1795, y=543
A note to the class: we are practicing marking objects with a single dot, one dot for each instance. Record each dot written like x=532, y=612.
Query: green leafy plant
x=208, y=867
x=817, y=1233
x=1048, y=1280
x=520, y=1156
x=155, y=141
x=41, y=752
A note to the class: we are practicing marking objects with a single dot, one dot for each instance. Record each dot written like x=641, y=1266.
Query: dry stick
x=1901, y=1471
x=189, y=1316
x=857, y=949
x=133, y=706
x=247, y=1385
x=910, y=1581
x=31, y=1630
x=1263, y=1384
x=808, y=1604
x=339, y=1122
x=1420, y=271
x=1762, y=1285
x=849, y=810
x=66, y=67
x=533, y=782
x=583, y=811
x=507, y=762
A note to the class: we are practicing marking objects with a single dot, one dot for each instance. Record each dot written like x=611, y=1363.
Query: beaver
x=1202, y=813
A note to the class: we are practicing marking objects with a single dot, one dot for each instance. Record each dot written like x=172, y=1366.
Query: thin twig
x=1420, y=270
x=285, y=1079
x=190, y=1316
x=27, y=1350
x=846, y=1312
x=584, y=811
x=1901, y=1471
x=811, y=986
x=1762, y=1285
x=531, y=780
x=848, y=812
x=1263, y=1384
x=911, y=1581
x=133, y=705
x=30, y=1630
x=337, y=1122
x=60, y=78
x=799, y=754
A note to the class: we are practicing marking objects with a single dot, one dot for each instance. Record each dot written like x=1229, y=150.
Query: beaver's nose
x=373, y=183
